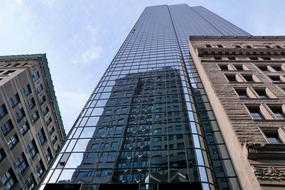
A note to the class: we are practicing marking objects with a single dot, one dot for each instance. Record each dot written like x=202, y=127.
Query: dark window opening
x=242, y=93
x=255, y=113
x=248, y=78
x=253, y=58
x=231, y=78
x=278, y=112
x=261, y=93
x=272, y=137
x=224, y=67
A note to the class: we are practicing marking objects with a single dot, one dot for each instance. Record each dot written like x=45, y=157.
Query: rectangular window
x=239, y=67
x=48, y=121
x=21, y=163
x=2, y=154
x=12, y=141
x=3, y=110
x=253, y=58
x=231, y=58
x=218, y=58
x=30, y=182
x=36, y=75
x=43, y=99
x=25, y=127
x=275, y=78
x=41, y=136
x=278, y=112
x=272, y=137
x=255, y=112
x=32, y=149
x=35, y=116
x=39, y=88
x=263, y=67
x=248, y=78
x=277, y=68
x=266, y=58
x=7, y=127
x=48, y=155
x=8, y=179
x=14, y=100
x=27, y=89
x=261, y=92
x=19, y=114
x=31, y=103
x=51, y=130
x=231, y=77
x=53, y=139
x=242, y=93
x=224, y=67
x=39, y=168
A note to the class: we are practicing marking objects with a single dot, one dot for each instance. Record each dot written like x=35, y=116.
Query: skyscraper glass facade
x=148, y=121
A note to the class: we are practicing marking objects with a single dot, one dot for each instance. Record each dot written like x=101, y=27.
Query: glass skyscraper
x=148, y=123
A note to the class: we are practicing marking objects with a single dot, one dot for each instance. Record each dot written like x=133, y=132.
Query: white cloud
x=88, y=55
x=90, y=49
x=19, y=2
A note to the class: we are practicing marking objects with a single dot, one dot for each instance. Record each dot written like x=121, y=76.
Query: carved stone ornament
x=270, y=174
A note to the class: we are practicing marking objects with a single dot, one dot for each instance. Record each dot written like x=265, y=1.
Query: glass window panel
x=92, y=121
x=66, y=175
x=54, y=176
x=78, y=132
x=87, y=132
x=74, y=160
x=81, y=145
x=97, y=111
x=71, y=145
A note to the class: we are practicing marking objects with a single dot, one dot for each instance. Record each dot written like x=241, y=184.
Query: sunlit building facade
x=149, y=122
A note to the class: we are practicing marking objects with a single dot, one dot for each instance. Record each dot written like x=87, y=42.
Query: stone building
x=244, y=79
x=30, y=123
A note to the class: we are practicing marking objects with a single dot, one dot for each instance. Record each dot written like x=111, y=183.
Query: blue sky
x=80, y=37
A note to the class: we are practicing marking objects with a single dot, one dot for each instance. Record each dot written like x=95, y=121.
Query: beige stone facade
x=31, y=130
x=244, y=78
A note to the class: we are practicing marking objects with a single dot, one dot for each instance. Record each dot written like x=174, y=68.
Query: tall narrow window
x=32, y=149
x=21, y=163
x=30, y=182
x=7, y=127
x=3, y=110
x=2, y=154
x=39, y=168
x=27, y=89
x=41, y=136
x=14, y=100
